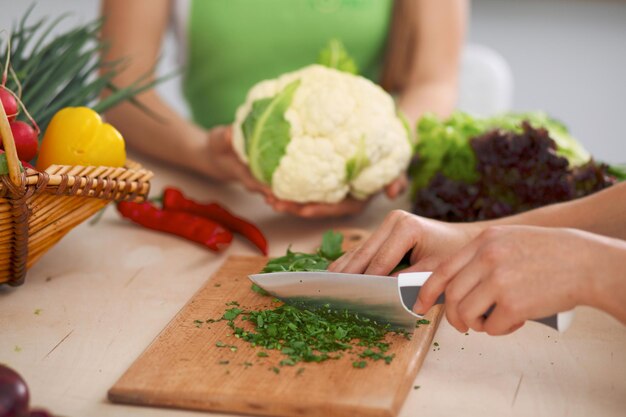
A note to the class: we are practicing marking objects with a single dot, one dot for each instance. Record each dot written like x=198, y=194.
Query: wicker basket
x=38, y=208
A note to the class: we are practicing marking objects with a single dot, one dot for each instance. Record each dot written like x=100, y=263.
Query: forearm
x=605, y=260
x=435, y=97
x=172, y=138
x=603, y=213
x=433, y=73
x=167, y=137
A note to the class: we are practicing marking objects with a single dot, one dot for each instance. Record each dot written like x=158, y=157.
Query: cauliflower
x=319, y=135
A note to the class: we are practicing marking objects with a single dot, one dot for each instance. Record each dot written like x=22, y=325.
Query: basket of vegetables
x=81, y=162
x=37, y=208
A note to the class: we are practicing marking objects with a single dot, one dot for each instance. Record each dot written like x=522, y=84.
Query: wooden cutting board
x=183, y=367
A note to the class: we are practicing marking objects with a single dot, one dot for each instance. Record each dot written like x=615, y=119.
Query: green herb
x=232, y=313
x=331, y=245
x=233, y=303
x=287, y=362
x=312, y=336
x=369, y=353
x=220, y=344
x=259, y=290
x=416, y=387
x=420, y=322
x=306, y=335
x=359, y=364
x=198, y=323
x=17, y=348
x=329, y=250
x=275, y=370
x=436, y=344
x=38, y=312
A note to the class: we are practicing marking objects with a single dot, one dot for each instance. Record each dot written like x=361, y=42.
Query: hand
x=526, y=273
x=225, y=165
x=428, y=241
x=346, y=207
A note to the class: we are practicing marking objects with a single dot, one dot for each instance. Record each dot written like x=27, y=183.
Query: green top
x=233, y=44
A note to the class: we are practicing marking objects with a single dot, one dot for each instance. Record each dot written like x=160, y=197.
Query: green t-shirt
x=233, y=44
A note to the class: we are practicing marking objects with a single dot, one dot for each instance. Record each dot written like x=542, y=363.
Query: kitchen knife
x=381, y=298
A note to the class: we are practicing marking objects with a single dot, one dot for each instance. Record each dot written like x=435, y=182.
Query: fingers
x=357, y=260
x=397, y=187
x=442, y=275
x=500, y=322
x=320, y=210
x=391, y=251
x=470, y=311
x=457, y=291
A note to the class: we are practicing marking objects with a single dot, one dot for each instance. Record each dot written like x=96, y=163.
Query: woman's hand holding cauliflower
x=323, y=140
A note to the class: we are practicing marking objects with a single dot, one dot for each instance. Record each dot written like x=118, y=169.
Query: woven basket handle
x=13, y=161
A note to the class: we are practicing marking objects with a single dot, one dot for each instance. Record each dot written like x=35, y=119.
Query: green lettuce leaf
x=618, y=171
x=444, y=145
x=267, y=132
x=336, y=56
x=331, y=245
x=567, y=145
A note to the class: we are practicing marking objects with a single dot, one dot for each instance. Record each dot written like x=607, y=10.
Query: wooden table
x=98, y=298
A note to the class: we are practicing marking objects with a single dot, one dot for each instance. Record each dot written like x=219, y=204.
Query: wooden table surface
x=100, y=296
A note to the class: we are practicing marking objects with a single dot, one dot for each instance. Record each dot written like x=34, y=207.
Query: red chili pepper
x=195, y=228
x=175, y=200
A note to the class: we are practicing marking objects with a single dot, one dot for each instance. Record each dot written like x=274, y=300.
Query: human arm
x=527, y=272
x=170, y=137
x=602, y=213
x=431, y=82
x=430, y=241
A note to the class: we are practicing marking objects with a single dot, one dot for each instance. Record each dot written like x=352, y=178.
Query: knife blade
x=382, y=298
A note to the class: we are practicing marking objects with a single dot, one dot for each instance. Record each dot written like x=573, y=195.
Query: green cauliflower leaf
x=267, y=132
x=336, y=56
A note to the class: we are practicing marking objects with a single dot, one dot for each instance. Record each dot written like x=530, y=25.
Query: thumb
x=430, y=291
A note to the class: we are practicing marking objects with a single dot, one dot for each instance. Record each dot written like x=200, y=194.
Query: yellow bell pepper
x=78, y=136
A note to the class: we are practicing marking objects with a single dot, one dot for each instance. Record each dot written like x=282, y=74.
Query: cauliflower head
x=319, y=135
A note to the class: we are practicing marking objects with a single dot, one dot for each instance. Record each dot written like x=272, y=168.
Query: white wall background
x=568, y=57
